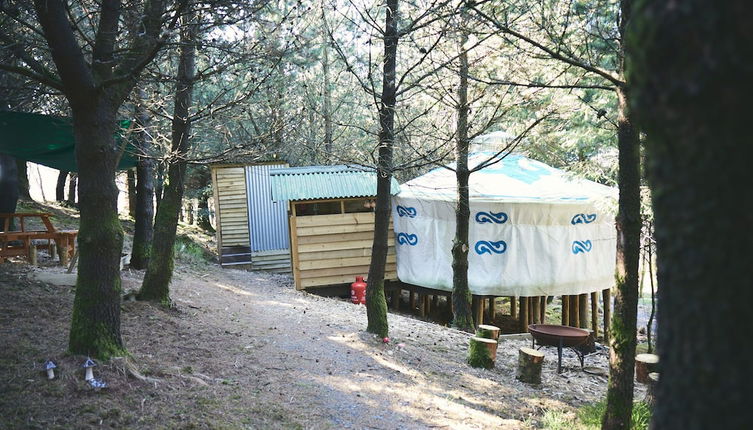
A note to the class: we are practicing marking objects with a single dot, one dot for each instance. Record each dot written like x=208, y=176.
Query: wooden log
x=396, y=298
x=523, y=314
x=535, y=311
x=422, y=305
x=426, y=305
x=574, y=315
x=595, y=313
x=513, y=306
x=650, y=398
x=645, y=364
x=491, y=313
x=482, y=352
x=530, y=362
x=52, y=250
x=435, y=301
x=542, y=310
x=583, y=310
x=412, y=300
x=565, y=310
x=606, y=297
x=487, y=331
x=33, y=254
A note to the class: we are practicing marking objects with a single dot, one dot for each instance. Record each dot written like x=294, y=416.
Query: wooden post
x=52, y=250
x=478, y=310
x=535, y=312
x=565, y=310
x=595, y=313
x=396, y=298
x=435, y=301
x=513, y=306
x=427, y=305
x=482, y=352
x=422, y=305
x=412, y=299
x=644, y=365
x=607, y=299
x=574, y=318
x=530, y=362
x=523, y=314
x=583, y=310
x=32, y=254
x=542, y=307
x=492, y=310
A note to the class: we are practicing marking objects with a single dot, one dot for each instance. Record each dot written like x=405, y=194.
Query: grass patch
x=589, y=418
x=187, y=250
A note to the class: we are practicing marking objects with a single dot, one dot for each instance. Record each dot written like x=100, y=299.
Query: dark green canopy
x=48, y=140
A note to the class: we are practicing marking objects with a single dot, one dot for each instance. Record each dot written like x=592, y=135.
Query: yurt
x=534, y=230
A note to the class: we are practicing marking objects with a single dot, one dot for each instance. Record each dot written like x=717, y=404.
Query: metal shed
x=331, y=222
x=252, y=229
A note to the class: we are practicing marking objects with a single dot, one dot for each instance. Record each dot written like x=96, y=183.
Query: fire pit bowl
x=551, y=335
x=559, y=336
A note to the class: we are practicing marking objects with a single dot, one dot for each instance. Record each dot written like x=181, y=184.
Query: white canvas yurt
x=534, y=230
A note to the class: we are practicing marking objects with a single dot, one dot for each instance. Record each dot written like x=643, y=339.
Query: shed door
x=267, y=220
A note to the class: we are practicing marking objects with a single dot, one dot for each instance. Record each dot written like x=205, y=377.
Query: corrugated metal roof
x=324, y=182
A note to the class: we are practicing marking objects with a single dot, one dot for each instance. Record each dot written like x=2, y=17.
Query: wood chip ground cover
x=245, y=350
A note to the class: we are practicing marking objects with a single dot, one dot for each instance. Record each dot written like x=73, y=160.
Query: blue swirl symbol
x=495, y=217
x=406, y=211
x=407, y=239
x=488, y=247
x=583, y=219
x=581, y=246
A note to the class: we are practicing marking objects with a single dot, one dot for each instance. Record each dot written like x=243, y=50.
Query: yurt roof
x=512, y=178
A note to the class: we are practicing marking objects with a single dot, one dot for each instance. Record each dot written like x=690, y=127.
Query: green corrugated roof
x=324, y=182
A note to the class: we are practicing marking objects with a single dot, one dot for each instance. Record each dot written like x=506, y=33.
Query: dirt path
x=244, y=350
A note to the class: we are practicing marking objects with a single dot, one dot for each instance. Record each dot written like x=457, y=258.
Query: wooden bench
x=19, y=241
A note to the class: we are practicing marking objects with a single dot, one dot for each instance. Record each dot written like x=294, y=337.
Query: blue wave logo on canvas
x=491, y=217
x=583, y=219
x=407, y=239
x=488, y=247
x=406, y=211
x=582, y=246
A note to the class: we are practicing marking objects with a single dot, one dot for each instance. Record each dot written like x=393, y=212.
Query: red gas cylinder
x=358, y=291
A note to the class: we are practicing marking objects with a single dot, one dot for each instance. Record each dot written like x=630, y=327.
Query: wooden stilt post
x=595, y=313
x=435, y=301
x=523, y=313
x=535, y=312
x=492, y=309
x=33, y=254
x=574, y=315
x=396, y=298
x=412, y=300
x=542, y=309
x=565, y=310
x=607, y=299
x=513, y=306
x=427, y=305
x=583, y=310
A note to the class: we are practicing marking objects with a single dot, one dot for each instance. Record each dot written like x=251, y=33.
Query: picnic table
x=18, y=238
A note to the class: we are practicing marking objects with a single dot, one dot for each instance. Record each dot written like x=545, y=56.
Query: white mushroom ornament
x=89, y=365
x=50, y=367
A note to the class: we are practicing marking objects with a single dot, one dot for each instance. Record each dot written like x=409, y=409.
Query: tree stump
x=530, y=362
x=33, y=254
x=644, y=365
x=482, y=352
x=650, y=398
x=487, y=331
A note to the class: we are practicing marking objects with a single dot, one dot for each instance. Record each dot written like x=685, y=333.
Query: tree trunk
x=72, y=183
x=8, y=187
x=60, y=186
x=131, y=187
x=693, y=98
x=95, y=326
x=327, y=94
x=159, y=272
x=622, y=336
x=202, y=214
x=23, y=180
x=144, y=217
x=461, y=293
x=376, y=304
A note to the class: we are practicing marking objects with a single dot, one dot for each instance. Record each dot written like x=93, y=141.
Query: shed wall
x=232, y=206
x=333, y=249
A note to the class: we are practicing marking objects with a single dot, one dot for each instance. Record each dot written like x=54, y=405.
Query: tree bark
x=202, y=214
x=159, y=272
x=144, y=218
x=692, y=96
x=376, y=304
x=23, y=180
x=60, y=186
x=131, y=189
x=8, y=187
x=72, y=184
x=461, y=293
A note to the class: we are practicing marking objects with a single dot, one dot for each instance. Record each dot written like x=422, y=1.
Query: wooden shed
x=331, y=222
x=251, y=227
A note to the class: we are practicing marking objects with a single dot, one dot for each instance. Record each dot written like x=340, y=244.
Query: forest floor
x=245, y=350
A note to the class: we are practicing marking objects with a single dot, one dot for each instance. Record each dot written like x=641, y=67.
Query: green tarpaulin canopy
x=48, y=140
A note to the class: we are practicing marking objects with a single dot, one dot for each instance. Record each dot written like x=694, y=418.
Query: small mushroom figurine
x=50, y=367
x=89, y=366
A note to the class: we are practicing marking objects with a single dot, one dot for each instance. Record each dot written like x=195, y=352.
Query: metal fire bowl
x=551, y=335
